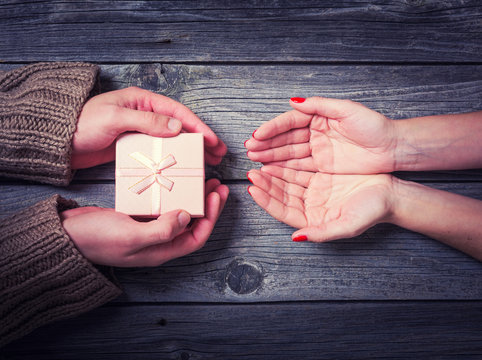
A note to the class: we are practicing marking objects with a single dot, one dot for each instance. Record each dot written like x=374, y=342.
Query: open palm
x=327, y=135
x=325, y=206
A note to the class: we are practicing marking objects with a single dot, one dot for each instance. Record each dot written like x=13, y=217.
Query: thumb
x=327, y=107
x=146, y=122
x=164, y=229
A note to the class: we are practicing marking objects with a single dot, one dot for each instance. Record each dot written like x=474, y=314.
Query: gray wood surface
x=251, y=31
x=326, y=330
x=234, y=100
x=250, y=258
x=251, y=292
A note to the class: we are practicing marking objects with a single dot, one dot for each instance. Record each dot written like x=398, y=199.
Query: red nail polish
x=245, y=143
x=300, y=238
x=298, y=100
x=247, y=175
x=253, y=133
x=249, y=191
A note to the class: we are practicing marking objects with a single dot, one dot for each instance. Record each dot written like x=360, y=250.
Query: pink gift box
x=156, y=175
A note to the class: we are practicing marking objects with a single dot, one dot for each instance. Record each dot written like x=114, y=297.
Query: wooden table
x=251, y=292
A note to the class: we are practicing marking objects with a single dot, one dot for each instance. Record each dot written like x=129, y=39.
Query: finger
x=291, y=216
x=282, y=123
x=212, y=159
x=211, y=184
x=162, y=230
x=296, y=136
x=223, y=191
x=214, y=155
x=219, y=150
x=300, y=178
x=265, y=182
x=202, y=228
x=144, y=100
x=192, y=240
x=287, y=187
x=327, y=107
x=146, y=122
x=333, y=230
x=287, y=152
x=306, y=164
x=192, y=123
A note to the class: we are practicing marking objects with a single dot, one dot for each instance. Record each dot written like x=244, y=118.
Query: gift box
x=156, y=175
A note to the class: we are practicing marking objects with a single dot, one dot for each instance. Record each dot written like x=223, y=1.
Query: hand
x=327, y=135
x=107, y=237
x=108, y=115
x=324, y=206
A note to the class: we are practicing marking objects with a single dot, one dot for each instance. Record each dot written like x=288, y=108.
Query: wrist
x=403, y=199
x=388, y=184
x=406, y=153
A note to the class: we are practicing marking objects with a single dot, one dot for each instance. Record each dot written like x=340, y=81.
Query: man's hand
x=106, y=116
x=107, y=237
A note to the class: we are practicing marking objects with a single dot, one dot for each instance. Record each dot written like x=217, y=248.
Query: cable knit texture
x=39, y=107
x=43, y=277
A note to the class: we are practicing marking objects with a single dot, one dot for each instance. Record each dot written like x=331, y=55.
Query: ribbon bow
x=156, y=175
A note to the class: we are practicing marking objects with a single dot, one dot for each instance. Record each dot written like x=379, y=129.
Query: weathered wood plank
x=324, y=330
x=250, y=258
x=235, y=100
x=253, y=31
x=107, y=172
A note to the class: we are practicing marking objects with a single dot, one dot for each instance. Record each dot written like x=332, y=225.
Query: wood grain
x=252, y=31
x=251, y=293
x=326, y=330
x=234, y=100
x=250, y=258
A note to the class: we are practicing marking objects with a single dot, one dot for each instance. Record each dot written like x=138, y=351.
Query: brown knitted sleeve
x=43, y=277
x=39, y=107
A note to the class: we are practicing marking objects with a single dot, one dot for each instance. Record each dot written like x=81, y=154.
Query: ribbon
x=153, y=173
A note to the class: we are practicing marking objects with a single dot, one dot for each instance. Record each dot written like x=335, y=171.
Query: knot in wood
x=243, y=277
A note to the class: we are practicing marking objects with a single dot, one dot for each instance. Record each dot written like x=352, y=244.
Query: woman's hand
x=328, y=135
x=323, y=206
x=106, y=116
x=107, y=237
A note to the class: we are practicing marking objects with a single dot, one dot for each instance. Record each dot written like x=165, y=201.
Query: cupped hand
x=106, y=237
x=323, y=206
x=106, y=116
x=327, y=135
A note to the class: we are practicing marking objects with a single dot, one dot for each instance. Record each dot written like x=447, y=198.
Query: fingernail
x=253, y=133
x=298, y=100
x=249, y=187
x=245, y=143
x=247, y=175
x=183, y=218
x=174, y=125
x=300, y=238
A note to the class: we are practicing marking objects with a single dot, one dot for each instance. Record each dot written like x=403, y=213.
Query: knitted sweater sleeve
x=39, y=107
x=43, y=277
